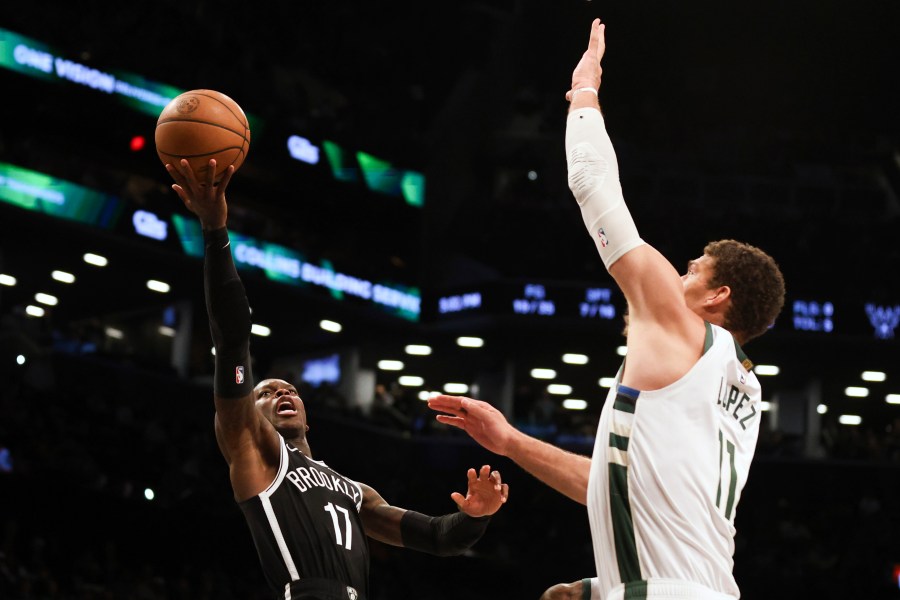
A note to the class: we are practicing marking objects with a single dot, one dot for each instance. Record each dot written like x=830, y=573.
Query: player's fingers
x=454, y=421
x=184, y=167
x=181, y=194
x=448, y=404
x=211, y=173
x=444, y=402
x=472, y=475
x=458, y=498
x=601, y=47
x=451, y=411
x=504, y=492
x=226, y=178
x=495, y=477
x=594, y=39
x=485, y=472
x=175, y=173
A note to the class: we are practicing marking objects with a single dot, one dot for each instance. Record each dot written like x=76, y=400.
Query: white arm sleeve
x=594, y=180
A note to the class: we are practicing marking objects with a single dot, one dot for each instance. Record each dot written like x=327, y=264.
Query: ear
x=718, y=298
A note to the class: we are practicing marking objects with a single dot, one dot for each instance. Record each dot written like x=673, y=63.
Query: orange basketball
x=200, y=125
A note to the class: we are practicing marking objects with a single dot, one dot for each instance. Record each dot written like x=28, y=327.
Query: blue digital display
x=811, y=315
x=534, y=301
x=460, y=302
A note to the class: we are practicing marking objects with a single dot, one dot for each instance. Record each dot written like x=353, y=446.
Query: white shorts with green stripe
x=665, y=589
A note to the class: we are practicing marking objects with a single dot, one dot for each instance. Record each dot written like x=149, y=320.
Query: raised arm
x=652, y=286
x=447, y=535
x=248, y=442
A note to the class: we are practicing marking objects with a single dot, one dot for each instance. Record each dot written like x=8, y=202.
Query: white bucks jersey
x=667, y=472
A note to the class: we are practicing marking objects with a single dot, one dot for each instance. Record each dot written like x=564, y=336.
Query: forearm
x=229, y=316
x=593, y=174
x=448, y=535
x=564, y=471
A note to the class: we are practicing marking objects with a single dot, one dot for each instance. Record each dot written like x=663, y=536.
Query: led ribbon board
x=33, y=58
x=42, y=193
x=283, y=265
x=36, y=59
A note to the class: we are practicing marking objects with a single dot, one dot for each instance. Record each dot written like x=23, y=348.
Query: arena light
x=765, y=406
x=158, y=286
x=260, y=330
x=607, y=382
x=116, y=334
x=7, y=280
x=166, y=331
x=470, y=342
x=34, y=311
x=559, y=389
x=95, y=259
x=149, y=494
x=543, y=373
x=46, y=299
x=766, y=370
x=456, y=388
x=574, y=404
x=418, y=349
x=856, y=391
x=411, y=380
x=875, y=376
x=332, y=326
x=425, y=395
x=892, y=398
x=20, y=359
x=63, y=277
x=822, y=409
x=575, y=359
x=390, y=365
x=622, y=350
x=850, y=420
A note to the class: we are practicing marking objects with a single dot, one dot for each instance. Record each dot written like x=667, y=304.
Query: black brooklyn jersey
x=307, y=525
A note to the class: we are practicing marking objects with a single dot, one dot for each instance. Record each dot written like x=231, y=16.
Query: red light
x=137, y=143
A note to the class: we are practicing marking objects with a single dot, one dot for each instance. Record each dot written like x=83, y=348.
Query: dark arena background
x=406, y=187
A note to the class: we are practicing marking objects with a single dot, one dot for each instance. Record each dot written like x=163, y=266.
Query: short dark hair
x=756, y=282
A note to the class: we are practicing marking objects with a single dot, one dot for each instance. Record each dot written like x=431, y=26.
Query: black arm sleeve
x=448, y=535
x=229, y=316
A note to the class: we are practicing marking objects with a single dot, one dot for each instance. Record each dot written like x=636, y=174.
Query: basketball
x=200, y=125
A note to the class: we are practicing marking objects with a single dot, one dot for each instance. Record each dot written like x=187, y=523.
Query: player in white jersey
x=678, y=431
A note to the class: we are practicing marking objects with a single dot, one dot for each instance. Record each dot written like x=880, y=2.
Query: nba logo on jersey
x=602, y=235
x=239, y=374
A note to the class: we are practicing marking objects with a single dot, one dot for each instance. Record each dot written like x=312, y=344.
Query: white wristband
x=584, y=89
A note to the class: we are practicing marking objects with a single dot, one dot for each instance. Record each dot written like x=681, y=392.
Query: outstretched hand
x=206, y=198
x=484, y=423
x=588, y=71
x=486, y=493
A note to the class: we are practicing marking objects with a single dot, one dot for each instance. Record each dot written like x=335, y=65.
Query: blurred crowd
x=112, y=487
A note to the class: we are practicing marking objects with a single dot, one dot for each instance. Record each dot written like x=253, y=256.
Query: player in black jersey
x=308, y=522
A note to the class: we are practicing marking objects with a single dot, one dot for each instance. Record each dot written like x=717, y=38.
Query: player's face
x=279, y=402
x=696, y=282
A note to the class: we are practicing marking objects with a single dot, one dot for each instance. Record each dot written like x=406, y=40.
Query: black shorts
x=321, y=589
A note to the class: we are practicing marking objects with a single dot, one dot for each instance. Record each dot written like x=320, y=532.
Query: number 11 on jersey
x=726, y=447
x=345, y=540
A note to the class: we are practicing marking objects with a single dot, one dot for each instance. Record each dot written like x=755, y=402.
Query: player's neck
x=300, y=443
